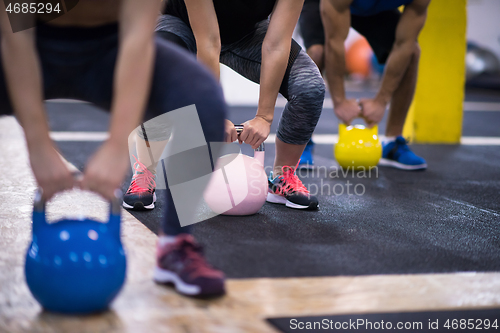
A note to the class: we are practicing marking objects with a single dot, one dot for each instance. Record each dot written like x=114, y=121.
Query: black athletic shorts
x=310, y=25
x=378, y=29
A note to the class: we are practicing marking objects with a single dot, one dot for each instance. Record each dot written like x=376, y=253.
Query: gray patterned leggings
x=304, y=90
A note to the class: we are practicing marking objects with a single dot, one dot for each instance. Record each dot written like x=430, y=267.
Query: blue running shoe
x=398, y=155
x=306, y=160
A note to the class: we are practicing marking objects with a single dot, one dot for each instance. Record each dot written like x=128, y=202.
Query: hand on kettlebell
x=255, y=131
x=105, y=171
x=51, y=174
x=347, y=110
x=373, y=111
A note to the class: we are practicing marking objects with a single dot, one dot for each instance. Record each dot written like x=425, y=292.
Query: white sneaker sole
x=152, y=206
x=278, y=199
x=164, y=276
x=397, y=165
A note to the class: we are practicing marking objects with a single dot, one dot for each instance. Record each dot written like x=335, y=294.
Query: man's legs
x=5, y=106
x=317, y=54
x=402, y=97
x=313, y=34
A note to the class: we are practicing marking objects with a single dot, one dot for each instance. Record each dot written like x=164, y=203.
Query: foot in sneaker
x=182, y=264
x=307, y=160
x=288, y=189
x=141, y=192
x=397, y=154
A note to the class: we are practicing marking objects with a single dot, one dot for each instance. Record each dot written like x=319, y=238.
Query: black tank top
x=236, y=18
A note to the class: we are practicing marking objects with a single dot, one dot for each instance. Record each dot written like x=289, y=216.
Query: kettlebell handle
x=115, y=204
x=239, y=129
x=40, y=221
x=359, y=103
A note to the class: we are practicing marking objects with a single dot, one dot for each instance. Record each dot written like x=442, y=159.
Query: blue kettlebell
x=75, y=266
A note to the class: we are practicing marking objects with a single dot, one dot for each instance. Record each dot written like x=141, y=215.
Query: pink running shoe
x=287, y=189
x=141, y=192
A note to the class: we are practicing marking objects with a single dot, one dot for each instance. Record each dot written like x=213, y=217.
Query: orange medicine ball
x=358, y=58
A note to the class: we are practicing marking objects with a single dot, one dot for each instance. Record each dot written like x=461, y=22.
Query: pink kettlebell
x=238, y=185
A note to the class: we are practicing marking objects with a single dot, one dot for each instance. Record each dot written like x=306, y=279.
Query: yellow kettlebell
x=358, y=147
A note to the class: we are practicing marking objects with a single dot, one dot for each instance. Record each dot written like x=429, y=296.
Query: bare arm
x=133, y=74
x=275, y=53
x=336, y=17
x=410, y=24
x=24, y=81
x=23, y=74
x=205, y=28
x=134, y=66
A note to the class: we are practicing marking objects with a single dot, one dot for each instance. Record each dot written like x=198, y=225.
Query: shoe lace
x=192, y=253
x=402, y=144
x=290, y=182
x=143, y=179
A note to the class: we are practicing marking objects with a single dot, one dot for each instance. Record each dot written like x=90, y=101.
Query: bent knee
x=317, y=54
x=312, y=92
x=416, y=50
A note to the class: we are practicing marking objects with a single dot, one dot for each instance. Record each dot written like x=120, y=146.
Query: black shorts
x=378, y=29
x=310, y=25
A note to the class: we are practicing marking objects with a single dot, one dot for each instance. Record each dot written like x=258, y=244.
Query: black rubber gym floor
x=444, y=219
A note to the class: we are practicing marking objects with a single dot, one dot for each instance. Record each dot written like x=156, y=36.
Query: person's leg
x=313, y=34
x=317, y=54
x=304, y=89
x=396, y=152
x=178, y=82
x=173, y=30
x=402, y=97
x=141, y=192
x=5, y=106
x=380, y=31
x=301, y=114
x=149, y=152
x=311, y=30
